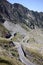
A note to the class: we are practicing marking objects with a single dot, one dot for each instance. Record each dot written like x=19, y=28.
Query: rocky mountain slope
x=18, y=13
x=21, y=30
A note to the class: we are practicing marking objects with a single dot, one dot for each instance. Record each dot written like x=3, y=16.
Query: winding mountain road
x=21, y=54
x=15, y=28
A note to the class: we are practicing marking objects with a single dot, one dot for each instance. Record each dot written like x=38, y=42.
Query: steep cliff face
x=6, y=9
x=18, y=13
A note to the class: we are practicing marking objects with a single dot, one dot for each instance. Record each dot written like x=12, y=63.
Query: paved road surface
x=21, y=54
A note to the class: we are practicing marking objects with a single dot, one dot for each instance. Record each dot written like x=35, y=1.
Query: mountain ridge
x=18, y=13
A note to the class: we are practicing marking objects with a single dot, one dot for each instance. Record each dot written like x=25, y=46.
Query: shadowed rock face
x=1, y=19
x=18, y=13
x=8, y=35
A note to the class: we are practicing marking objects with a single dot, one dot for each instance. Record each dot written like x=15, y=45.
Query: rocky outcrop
x=1, y=19
x=18, y=13
x=7, y=35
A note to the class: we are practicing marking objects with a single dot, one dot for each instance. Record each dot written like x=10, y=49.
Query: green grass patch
x=9, y=61
x=5, y=60
x=4, y=40
x=18, y=37
x=14, y=52
x=34, y=55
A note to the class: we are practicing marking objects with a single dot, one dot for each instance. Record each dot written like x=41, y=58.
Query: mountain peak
x=17, y=4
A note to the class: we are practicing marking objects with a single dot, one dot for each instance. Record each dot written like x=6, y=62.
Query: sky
x=36, y=5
